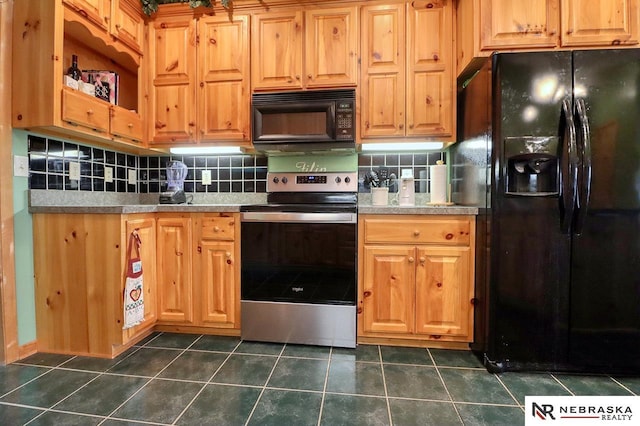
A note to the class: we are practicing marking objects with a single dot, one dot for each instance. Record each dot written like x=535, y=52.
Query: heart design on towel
x=135, y=294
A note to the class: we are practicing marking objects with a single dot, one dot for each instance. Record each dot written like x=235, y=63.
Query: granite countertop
x=41, y=201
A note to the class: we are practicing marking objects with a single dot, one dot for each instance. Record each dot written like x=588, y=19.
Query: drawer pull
x=367, y=293
x=89, y=112
x=435, y=336
x=416, y=233
x=449, y=236
x=130, y=125
x=216, y=229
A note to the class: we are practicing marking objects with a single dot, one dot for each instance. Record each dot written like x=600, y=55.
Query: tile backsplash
x=50, y=159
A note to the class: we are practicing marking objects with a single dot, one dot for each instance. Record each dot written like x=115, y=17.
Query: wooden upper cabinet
x=276, y=50
x=601, y=22
x=507, y=23
x=484, y=26
x=305, y=49
x=407, y=85
x=174, y=263
x=127, y=23
x=331, y=47
x=430, y=82
x=96, y=11
x=383, y=71
x=173, y=73
x=223, y=74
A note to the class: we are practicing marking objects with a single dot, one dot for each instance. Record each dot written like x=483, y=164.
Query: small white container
x=380, y=196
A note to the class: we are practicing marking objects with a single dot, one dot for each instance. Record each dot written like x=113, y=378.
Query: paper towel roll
x=438, y=183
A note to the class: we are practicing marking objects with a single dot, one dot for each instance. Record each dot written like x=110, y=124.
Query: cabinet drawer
x=417, y=230
x=82, y=109
x=218, y=227
x=126, y=124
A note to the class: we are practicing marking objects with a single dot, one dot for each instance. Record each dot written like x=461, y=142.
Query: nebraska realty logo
x=582, y=410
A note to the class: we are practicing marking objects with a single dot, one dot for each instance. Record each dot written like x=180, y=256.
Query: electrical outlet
x=74, y=170
x=20, y=166
x=132, y=177
x=108, y=174
x=206, y=177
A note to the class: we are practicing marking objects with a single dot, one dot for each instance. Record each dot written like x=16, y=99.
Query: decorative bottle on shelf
x=73, y=71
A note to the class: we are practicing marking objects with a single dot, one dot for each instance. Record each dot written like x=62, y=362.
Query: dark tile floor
x=207, y=380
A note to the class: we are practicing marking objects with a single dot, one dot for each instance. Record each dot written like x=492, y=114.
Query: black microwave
x=304, y=121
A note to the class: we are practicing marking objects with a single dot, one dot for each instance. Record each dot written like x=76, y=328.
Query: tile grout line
x=509, y=392
x=446, y=389
x=563, y=385
x=108, y=417
x=324, y=388
x=204, y=386
x=623, y=386
x=264, y=387
x=384, y=385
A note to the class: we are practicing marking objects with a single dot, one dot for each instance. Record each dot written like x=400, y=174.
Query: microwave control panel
x=345, y=113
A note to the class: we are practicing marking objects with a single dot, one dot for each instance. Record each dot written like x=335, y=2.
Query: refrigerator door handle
x=568, y=168
x=584, y=168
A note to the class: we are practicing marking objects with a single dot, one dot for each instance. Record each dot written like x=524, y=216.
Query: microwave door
x=294, y=122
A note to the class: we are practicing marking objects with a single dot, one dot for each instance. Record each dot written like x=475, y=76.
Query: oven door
x=299, y=257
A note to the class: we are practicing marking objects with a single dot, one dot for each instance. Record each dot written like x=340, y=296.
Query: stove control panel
x=312, y=182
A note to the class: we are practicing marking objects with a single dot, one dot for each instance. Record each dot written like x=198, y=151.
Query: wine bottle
x=74, y=71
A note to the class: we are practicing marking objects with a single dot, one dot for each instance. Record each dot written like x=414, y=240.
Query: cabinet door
x=430, y=84
x=276, y=51
x=331, y=55
x=388, y=289
x=96, y=11
x=444, y=292
x=599, y=23
x=519, y=24
x=223, y=73
x=219, y=296
x=127, y=24
x=383, y=71
x=146, y=228
x=173, y=68
x=175, y=291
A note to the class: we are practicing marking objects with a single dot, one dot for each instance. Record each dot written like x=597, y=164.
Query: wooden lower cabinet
x=416, y=278
x=190, y=278
x=217, y=270
x=80, y=262
x=175, y=287
x=198, y=272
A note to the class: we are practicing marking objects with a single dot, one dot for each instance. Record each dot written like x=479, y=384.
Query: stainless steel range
x=299, y=264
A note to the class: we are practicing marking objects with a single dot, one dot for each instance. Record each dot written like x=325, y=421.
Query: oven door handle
x=289, y=217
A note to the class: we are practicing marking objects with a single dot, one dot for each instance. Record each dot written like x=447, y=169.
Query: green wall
x=23, y=247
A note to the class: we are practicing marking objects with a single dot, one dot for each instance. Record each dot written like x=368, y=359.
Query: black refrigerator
x=549, y=151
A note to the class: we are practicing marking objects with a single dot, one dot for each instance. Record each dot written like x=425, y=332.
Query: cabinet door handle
x=367, y=293
x=422, y=260
x=401, y=126
x=199, y=249
x=310, y=77
x=411, y=259
x=359, y=310
x=130, y=125
x=228, y=254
